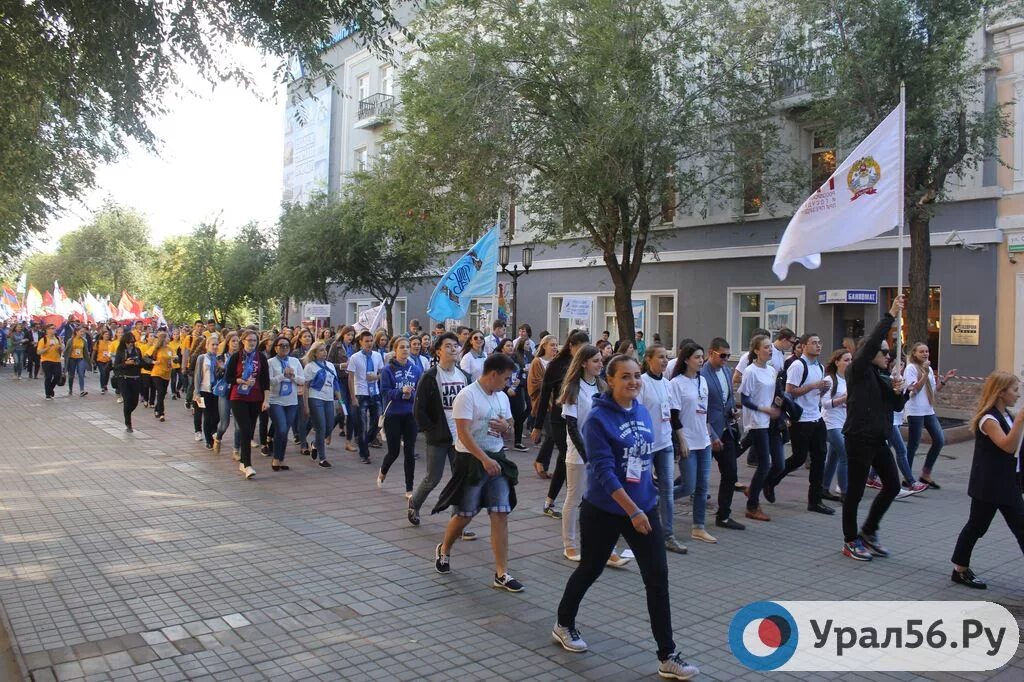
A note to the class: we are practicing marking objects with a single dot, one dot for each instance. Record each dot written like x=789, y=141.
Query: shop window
x=768, y=308
x=934, y=320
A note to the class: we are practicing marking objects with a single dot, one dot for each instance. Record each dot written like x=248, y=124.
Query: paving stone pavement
x=146, y=557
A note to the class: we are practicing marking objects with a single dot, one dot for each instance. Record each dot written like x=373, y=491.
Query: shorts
x=491, y=493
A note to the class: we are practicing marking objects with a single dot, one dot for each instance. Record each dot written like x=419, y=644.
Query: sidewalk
x=146, y=557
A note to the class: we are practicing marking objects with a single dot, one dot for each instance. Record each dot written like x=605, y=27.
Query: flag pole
x=901, y=218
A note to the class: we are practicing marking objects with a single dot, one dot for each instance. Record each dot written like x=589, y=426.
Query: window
x=823, y=158
x=750, y=155
x=934, y=320
x=664, y=308
x=387, y=80
x=362, y=87
x=562, y=326
x=771, y=308
x=362, y=161
x=481, y=314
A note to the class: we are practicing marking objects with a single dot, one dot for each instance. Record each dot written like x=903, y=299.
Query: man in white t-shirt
x=484, y=477
x=364, y=369
x=805, y=383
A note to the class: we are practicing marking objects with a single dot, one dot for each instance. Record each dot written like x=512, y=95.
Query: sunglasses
x=724, y=356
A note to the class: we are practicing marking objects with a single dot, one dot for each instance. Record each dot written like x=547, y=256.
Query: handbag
x=380, y=419
x=62, y=379
x=220, y=389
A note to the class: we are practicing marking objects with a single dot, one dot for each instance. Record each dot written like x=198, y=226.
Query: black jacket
x=429, y=411
x=551, y=389
x=870, y=400
x=993, y=471
x=127, y=371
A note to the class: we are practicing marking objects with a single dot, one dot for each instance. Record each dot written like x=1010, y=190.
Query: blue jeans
x=665, y=469
x=767, y=444
x=696, y=474
x=916, y=425
x=224, y=409
x=900, y=448
x=321, y=414
x=282, y=417
x=76, y=367
x=19, y=361
x=836, y=461
x=366, y=429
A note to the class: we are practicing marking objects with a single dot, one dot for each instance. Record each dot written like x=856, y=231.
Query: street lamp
x=515, y=273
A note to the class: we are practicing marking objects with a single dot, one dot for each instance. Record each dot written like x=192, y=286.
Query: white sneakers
x=248, y=471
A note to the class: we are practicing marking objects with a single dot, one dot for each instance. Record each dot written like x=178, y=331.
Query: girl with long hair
x=398, y=386
x=516, y=392
x=286, y=374
x=760, y=407
x=127, y=366
x=546, y=350
x=690, y=394
x=473, y=356
x=248, y=377
x=175, y=344
x=205, y=407
x=103, y=356
x=833, y=403
x=322, y=394
x=228, y=347
x=995, y=484
x=922, y=386
x=163, y=364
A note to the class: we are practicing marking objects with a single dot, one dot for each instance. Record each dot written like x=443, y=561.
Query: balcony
x=375, y=110
x=795, y=75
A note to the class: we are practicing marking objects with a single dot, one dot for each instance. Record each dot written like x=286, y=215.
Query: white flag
x=859, y=201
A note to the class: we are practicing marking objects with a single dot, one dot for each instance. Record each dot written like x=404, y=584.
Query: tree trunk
x=623, y=297
x=920, y=271
x=389, y=303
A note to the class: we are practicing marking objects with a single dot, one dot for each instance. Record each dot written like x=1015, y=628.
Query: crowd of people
x=629, y=431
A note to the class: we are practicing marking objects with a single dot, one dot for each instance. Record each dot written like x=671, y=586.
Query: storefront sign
x=861, y=296
x=575, y=308
x=964, y=329
x=311, y=310
x=1015, y=242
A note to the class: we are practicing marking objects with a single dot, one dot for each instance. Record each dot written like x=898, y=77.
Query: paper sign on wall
x=575, y=308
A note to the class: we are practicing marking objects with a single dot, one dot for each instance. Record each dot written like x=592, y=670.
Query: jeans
x=130, y=388
x=246, y=415
x=104, y=368
x=76, y=368
x=915, y=426
x=211, y=416
x=282, y=416
x=860, y=458
x=19, y=361
x=224, y=411
x=665, y=469
x=400, y=431
x=726, y=458
x=807, y=438
x=559, y=433
x=436, y=457
x=575, y=486
x=321, y=414
x=767, y=445
x=897, y=444
x=977, y=525
x=51, y=374
x=696, y=475
x=369, y=412
x=836, y=462
x=599, y=531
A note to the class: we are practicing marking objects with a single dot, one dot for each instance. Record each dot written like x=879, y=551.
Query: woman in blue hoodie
x=621, y=499
x=398, y=386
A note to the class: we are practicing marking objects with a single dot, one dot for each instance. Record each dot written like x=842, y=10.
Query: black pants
x=978, y=522
x=51, y=374
x=159, y=394
x=547, y=444
x=808, y=438
x=177, y=381
x=400, y=432
x=197, y=419
x=726, y=459
x=860, y=457
x=519, y=413
x=104, y=368
x=146, y=388
x=559, y=433
x=264, y=428
x=130, y=388
x=211, y=416
x=599, y=531
x=33, y=362
x=246, y=415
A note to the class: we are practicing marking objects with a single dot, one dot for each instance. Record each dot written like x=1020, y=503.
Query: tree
x=310, y=248
x=861, y=52
x=80, y=79
x=599, y=117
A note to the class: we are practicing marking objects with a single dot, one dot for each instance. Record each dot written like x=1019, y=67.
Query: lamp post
x=515, y=273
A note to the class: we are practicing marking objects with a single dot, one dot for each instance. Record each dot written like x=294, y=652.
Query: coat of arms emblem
x=864, y=174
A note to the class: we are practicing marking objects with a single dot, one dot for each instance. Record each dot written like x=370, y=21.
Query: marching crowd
x=625, y=433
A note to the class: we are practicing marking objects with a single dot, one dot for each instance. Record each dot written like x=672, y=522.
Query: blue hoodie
x=611, y=434
x=391, y=380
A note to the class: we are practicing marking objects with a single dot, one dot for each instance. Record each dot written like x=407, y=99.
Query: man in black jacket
x=873, y=396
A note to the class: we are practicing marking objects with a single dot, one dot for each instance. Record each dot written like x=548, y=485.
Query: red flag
x=47, y=299
x=126, y=301
x=114, y=314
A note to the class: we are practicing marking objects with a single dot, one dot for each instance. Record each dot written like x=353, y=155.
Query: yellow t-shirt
x=114, y=345
x=145, y=349
x=105, y=350
x=174, y=346
x=163, y=360
x=137, y=333
x=48, y=349
x=77, y=348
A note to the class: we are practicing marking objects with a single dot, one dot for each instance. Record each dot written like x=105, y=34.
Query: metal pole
x=902, y=219
x=515, y=299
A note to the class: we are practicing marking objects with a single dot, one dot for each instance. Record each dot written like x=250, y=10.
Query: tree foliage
x=81, y=78
x=599, y=117
x=310, y=248
x=859, y=54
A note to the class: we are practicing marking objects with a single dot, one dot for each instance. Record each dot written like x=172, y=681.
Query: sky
x=220, y=156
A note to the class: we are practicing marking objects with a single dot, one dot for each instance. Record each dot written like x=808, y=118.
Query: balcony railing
x=376, y=106
x=796, y=75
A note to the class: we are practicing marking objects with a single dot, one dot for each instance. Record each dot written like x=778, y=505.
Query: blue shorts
x=491, y=493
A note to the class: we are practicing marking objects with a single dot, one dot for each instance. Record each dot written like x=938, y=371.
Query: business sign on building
x=307, y=147
x=311, y=310
x=856, y=296
x=1015, y=242
x=964, y=330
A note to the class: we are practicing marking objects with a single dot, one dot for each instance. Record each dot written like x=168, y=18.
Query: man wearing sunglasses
x=722, y=424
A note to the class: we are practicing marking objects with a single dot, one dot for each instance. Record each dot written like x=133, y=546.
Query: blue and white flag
x=474, y=274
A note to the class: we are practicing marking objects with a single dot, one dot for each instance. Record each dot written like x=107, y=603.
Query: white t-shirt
x=810, y=401
x=326, y=391
x=918, y=405
x=897, y=419
x=476, y=405
x=835, y=415
x=759, y=385
x=671, y=369
x=279, y=382
x=359, y=365
x=450, y=383
x=657, y=396
x=579, y=411
x=692, y=398
x=473, y=365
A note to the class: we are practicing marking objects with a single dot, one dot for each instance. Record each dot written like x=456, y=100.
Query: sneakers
x=249, y=472
x=468, y=536
x=856, y=550
x=903, y=493
x=49, y=397
x=874, y=483
x=198, y=436
x=703, y=536
x=83, y=394
x=968, y=578
x=441, y=561
x=507, y=583
x=549, y=510
x=349, y=447
x=324, y=463
x=569, y=638
x=757, y=515
x=522, y=448
x=414, y=516
x=918, y=488
x=129, y=429
x=873, y=545
x=120, y=400
x=673, y=545
x=675, y=668
x=730, y=524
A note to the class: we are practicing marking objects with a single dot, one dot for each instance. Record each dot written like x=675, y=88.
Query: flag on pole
x=158, y=313
x=10, y=298
x=34, y=301
x=23, y=283
x=862, y=199
x=372, y=319
x=47, y=300
x=474, y=274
